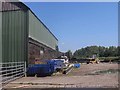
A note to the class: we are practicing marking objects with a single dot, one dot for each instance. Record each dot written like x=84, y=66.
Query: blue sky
x=78, y=25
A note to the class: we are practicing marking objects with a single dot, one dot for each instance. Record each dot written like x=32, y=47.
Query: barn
x=24, y=40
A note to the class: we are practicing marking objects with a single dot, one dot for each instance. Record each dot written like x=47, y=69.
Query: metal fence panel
x=11, y=71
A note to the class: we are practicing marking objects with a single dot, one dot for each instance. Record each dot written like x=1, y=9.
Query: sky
x=79, y=24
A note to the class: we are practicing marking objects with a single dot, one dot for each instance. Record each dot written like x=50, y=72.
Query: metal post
x=25, y=69
x=0, y=45
x=1, y=76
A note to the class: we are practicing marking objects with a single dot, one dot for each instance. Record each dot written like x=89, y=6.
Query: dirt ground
x=82, y=77
x=89, y=68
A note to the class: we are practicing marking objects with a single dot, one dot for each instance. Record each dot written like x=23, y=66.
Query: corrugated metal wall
x=39, y=32
x=14, y=36
x=0, y=37
x=18, y=24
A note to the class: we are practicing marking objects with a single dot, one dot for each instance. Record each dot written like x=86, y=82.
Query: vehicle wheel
x=87, y=62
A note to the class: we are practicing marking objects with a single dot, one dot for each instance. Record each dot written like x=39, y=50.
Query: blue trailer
x=48, y=68
x=40, y=70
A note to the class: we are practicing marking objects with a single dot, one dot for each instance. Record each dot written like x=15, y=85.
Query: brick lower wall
x=40, y=52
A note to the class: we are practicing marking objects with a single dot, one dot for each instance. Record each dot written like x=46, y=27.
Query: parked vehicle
x=92, y=60
x=46, y=67
x=58, y=64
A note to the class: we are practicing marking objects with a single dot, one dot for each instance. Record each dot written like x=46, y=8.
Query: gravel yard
x=82, y=77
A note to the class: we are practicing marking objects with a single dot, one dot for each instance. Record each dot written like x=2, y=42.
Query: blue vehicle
x=57, y=64
x=48, y=68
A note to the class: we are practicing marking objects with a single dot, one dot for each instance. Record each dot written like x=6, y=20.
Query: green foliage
x=69, y=54
x=101, y=51
x=108, y=58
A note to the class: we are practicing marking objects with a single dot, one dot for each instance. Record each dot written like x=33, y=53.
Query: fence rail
x=11, y=70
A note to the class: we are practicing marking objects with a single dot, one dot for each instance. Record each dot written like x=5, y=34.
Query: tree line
x=99, y=51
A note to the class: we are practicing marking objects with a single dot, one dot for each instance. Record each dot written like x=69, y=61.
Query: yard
x=103, y=75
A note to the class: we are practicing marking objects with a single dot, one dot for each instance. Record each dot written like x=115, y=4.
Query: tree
x=118, y=51
x=101, y=51
x=69, y=54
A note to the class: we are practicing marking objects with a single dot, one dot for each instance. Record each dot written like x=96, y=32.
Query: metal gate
x=11, y=70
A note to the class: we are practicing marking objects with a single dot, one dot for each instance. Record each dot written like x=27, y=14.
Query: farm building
x=23, y=40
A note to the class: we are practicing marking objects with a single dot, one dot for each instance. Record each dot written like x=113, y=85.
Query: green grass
x=109, y=58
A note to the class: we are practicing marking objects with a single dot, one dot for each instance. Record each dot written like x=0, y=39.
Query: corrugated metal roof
x=41, y=21
x=11, y=6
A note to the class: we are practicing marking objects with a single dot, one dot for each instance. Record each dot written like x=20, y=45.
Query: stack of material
x=68, y=69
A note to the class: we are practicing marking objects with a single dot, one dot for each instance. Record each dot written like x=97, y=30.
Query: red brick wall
x=34, y=48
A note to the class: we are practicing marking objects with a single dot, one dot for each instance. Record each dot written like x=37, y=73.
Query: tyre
x=87, y=62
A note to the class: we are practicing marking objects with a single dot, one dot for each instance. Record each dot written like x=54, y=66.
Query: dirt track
x=77, y=78
x=89, y=68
